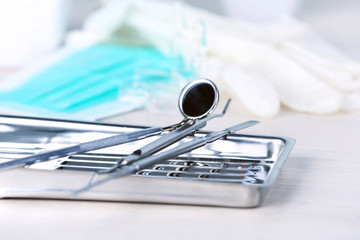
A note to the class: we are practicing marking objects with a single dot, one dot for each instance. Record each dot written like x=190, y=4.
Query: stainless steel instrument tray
x=233, y=172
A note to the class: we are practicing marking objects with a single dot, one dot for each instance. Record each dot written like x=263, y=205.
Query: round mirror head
x=198, y=99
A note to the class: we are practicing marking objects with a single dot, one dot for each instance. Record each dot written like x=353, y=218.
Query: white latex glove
x=323, y=61
x=304, y=81
x=352, y=102
x=344, y=76
x=100, y=25
x=256, y=94
x=298, y=89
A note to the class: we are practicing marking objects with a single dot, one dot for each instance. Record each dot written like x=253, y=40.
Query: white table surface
x=316, y=195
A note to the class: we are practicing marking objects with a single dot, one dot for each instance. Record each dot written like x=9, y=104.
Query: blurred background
x=30, y=28
x=335, y=20
x=34, y=30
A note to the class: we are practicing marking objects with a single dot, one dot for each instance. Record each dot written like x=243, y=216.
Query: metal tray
x=233, y=172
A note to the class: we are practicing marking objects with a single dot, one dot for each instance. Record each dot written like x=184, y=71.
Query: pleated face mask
x=102, y=80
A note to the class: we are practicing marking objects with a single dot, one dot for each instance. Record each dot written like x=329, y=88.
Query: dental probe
x=197, y=100
x=136, y=165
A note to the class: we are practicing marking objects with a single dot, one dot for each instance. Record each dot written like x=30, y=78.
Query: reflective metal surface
x=198, y=99
x=233, y=172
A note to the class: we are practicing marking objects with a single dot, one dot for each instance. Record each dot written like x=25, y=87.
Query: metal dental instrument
x=165, y=141
x=197, y=100
x=136, y=165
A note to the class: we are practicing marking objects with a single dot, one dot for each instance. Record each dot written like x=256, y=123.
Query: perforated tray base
x=233, y=172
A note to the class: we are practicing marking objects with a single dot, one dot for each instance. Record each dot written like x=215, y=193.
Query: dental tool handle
x=82, y=147
x=170, y=138
x=135, y=166
x=158, y=144
x=171, y=153
x=187, y=147
x=161, y=143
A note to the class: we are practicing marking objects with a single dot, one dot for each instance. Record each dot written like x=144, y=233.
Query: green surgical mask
x=91, y=83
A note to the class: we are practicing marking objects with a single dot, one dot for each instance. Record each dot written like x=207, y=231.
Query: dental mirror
x=198, y=99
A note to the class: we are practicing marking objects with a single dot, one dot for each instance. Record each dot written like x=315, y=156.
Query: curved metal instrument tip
x=226, y=106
